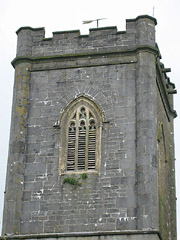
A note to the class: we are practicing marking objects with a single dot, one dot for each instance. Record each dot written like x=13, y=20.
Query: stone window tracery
x=81, y=126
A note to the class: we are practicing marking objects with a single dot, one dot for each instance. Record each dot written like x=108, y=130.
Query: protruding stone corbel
x=172, y=91
x=165, y=70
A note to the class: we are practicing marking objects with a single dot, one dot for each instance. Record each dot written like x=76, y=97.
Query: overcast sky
x=59, y=15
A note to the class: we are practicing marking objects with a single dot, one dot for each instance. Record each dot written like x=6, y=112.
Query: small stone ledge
x=164, y=70
x=68, y=31
x=103, y=28
x=47, y=39
x=121, y=32
x=164, y=91
x=81, y=234
x=84, y=36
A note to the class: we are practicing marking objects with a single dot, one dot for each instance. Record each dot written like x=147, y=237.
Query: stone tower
x=91, y=151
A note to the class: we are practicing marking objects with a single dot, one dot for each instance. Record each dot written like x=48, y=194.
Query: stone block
x=104, y=67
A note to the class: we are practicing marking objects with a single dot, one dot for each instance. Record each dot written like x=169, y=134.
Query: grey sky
x=61, y=15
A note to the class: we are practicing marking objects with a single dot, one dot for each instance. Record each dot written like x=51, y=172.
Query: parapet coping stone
x=30, y=28
x=92, y=29
x=142, y=16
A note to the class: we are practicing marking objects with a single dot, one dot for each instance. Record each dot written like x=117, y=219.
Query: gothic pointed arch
x=80, y=136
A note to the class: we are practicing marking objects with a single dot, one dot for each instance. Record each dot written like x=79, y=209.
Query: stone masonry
x=132, y=195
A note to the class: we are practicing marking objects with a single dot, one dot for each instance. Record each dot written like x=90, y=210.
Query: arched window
x=80, y=145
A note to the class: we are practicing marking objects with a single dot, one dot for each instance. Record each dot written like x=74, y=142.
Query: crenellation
x=102, y=32
x=119, y=76
x=66, y=35
x=139, y=32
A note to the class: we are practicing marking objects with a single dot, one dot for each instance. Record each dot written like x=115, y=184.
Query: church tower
x=91, y=152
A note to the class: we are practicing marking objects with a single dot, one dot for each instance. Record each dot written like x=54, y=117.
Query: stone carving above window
x=81, y=126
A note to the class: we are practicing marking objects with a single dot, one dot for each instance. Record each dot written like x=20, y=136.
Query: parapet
x=139, y=32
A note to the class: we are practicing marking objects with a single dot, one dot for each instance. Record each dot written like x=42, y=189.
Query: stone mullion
x=87, y=139
x=76, y=143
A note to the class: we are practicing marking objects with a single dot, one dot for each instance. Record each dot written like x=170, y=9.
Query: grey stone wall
x=117, y=70
x=32, y=42
x=105, y=200
x=166, y=164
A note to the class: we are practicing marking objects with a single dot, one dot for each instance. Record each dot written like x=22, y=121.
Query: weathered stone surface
x=119, y=72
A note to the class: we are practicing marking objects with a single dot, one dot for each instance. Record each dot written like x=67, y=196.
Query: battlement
x=139, y=32
x=91, y=146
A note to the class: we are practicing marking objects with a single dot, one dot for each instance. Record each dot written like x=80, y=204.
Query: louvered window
x=81, y=151
x=81, y=137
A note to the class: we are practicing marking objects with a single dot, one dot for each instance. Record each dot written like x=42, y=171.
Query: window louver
x=81, y=152
x=71, y=148
x=81, y=149
x=92, y=149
